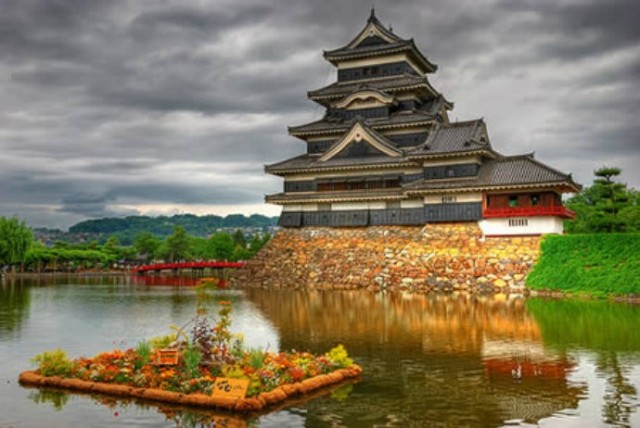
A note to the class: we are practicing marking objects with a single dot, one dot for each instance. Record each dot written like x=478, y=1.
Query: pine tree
x=606, y=206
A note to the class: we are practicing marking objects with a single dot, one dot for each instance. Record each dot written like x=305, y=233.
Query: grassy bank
x=593, y=264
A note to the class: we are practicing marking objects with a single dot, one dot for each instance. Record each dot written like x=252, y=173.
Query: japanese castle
x=385, y=153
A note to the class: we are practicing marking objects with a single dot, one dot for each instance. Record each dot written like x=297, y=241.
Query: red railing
x=188, y=265
x=559, y=211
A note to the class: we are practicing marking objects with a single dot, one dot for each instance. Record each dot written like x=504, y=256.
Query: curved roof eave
x=283, y=172
x=483, y=188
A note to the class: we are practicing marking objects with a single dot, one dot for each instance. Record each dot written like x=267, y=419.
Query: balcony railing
x=558, y=211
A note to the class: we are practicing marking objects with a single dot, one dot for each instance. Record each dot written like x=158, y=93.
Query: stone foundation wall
x=443, y=257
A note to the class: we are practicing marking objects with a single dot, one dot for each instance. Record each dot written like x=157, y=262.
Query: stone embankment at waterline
x=439, y=257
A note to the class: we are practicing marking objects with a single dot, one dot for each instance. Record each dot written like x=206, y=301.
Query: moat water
x=429, y=360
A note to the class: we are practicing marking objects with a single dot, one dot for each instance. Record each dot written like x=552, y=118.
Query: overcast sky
x=111, y=108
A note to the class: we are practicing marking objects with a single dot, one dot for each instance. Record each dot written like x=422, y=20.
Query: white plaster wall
x=379, y=205
x=376, y=61
x=536, y=226
x=290, y=208
x=345, y=206
x=300, y=207
x=411, y=203
x=460, y=197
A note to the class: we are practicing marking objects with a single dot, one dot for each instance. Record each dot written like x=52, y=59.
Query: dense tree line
x=127, y=228
x=605, y=206
x=17, y=248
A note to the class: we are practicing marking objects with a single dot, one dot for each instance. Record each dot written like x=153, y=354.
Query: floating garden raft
x=248, y=404
x=208, y=367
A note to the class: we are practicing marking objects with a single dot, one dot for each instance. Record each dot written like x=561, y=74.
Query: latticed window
x=518, y=222
x=392, y=183
x=340, y=186
x=325, y=187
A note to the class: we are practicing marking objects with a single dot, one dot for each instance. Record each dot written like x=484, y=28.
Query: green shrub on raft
x=594, y=264
x=143, y=349
x=53, y=363
x=162, y=342
x=339, y=356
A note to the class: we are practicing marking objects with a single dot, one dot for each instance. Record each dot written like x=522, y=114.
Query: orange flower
x=167, y=373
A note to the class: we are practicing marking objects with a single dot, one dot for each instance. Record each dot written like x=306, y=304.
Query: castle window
x=535, y=199
x=377, y=184
x=513, y=201
x=357, y=185
x=392, y=183
x=518, y=222
x=340, y=186
x=448, y=199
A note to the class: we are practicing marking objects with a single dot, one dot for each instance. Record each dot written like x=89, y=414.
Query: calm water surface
x=441, y=361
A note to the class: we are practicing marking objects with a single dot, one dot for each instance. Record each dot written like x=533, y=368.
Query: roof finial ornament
x=373, y=12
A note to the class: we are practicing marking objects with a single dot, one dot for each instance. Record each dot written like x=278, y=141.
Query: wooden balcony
x=533, y=211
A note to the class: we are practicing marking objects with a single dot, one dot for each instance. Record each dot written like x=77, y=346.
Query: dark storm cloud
x=180, y=194
x=589, y=27
x=114, y=104
x=90, y=206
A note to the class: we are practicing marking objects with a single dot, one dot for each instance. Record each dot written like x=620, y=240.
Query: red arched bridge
x=212, y=264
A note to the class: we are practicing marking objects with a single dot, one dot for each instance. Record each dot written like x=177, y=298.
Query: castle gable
x=361, y=140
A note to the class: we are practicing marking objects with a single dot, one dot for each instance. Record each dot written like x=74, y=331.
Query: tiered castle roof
x=375, y=40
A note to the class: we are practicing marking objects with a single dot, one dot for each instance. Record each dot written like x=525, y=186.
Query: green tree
x=200, y=248
x=605, y=206
x=146, y=244
x=112, y=243
x=112, y=249
x=240, y=253
x=239, y=239
x=177, y=245
x=630, y=215
x=258, y=242
x=221, y=246
x=15, y=239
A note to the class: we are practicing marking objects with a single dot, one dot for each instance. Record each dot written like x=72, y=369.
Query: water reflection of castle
x=478, y=347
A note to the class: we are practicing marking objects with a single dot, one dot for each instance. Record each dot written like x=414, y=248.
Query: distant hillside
x=128, y=227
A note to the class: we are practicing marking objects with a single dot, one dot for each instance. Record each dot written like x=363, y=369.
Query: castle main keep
x=386, y=153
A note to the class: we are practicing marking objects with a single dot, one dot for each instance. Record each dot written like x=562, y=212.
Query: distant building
x=385, y=153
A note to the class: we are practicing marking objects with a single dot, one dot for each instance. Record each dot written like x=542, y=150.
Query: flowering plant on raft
x=209, y=351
